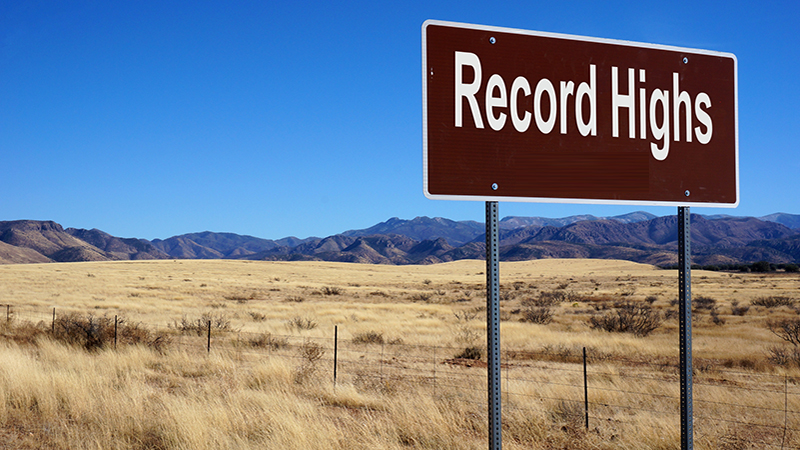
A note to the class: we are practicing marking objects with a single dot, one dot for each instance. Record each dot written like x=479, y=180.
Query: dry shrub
x=368, y=337
x=257, y=316
x=782, y=356
x=332, y=290
x=470, y=353
x=541, y=316
x=740, y=310
x=547, y=299
x=23, y=332
x=267, y=340
x=467, y=315
x=301, y=323
x=786, y=329
x=716, y=319
x=702, y=302
x=199, y=326
x=639, y=319
x=94, y=333
x=773, y=301
x=310, y=354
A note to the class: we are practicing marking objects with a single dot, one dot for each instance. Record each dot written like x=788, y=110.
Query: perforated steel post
x=685, y=326
x=493, y=324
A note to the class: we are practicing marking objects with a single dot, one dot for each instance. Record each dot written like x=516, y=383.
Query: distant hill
x=425, y=228
x=208, y=245
x=118, y=248
x=654, y=241
x=26, y=241
x=511, y=222
x=790, y=220
x=638, y=236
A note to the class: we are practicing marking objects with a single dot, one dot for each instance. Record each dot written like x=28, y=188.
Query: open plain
x=408, y=343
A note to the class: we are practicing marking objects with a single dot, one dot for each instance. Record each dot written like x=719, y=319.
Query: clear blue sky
x=151, y=119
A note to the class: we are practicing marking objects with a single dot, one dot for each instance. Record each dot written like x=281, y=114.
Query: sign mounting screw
x=687, y=193
x=494, y=186
x=685, y=60
x=492, y=40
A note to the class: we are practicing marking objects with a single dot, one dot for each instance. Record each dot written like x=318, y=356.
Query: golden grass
x=275, y=393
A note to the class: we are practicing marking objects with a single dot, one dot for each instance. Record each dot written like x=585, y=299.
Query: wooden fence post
x=335, y=352
x=585, y=391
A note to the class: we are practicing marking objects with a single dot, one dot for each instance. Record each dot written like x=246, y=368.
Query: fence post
x=115, y=332
x=585, y=391
x=53, y=326
x=8, y=313
x=209, y=336
x=335, y=352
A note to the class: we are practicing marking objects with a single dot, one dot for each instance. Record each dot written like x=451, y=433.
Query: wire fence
x=579, y=386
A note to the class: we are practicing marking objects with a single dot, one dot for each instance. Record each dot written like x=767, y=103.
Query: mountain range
x=638, y=236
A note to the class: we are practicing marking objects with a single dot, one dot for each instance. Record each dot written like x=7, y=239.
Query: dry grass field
x=407, y=342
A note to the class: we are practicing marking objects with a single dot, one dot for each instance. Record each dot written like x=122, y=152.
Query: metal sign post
x=493, y=324
x=685, y=327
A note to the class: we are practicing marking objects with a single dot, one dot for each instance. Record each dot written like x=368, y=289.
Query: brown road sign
x=527, y=116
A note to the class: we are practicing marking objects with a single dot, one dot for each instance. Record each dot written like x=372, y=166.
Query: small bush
x=301, y=323
x=200, y=325
x=782, y=356
x=311, y=352
x=23, y=332
x=470, y=353
x=369, y=337
x=267, y=340
x=94, y=333
x=639, y=319
x=716, y=319
x=541, y=316
x=422, y=297
x=466, y=316
x=773, y=301
x=786, y=329
x=257, y=316
x=331, y=290
x=701, y=302
x=546, y=299
x=740, y=310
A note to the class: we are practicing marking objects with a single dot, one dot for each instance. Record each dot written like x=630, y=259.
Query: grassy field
x=267, y=381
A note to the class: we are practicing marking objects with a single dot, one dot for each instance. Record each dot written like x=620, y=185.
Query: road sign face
x=514, y=115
